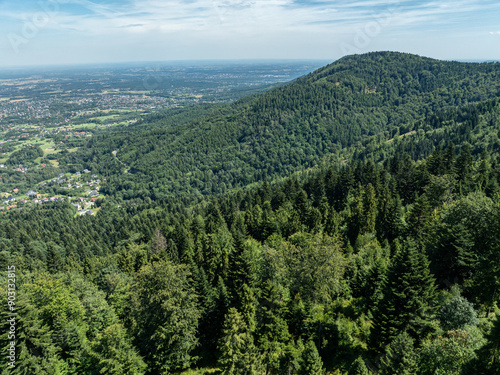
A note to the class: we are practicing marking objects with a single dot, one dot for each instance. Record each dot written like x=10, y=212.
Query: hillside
x=382, y=259
x=288, y=128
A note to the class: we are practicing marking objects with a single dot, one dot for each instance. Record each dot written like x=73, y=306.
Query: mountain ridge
x=290, y=127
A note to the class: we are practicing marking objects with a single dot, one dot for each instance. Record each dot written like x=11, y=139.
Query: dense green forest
x=213, y=150
x=346, y=223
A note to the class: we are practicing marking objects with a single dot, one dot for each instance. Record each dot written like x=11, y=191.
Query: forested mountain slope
x=382, y=259
x=287, y=128
x=389, y=267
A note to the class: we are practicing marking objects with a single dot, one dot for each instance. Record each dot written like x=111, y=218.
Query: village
x=80, y=189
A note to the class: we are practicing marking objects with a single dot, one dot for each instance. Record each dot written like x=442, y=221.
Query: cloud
x=250, y=15
x=257, y=27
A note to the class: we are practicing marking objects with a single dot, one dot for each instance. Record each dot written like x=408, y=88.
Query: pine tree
x=464, y=166
x=113, y=354
x=489, y=354
x=358, y=367
x=54, y=260
x=159, y=243
x=238, y=354
x=400, y=356
x=248, y=307
x=36, y=352
x=272, y=331
x=409, y=298
x=167, y=316
x=311, y=361
x=369, y=209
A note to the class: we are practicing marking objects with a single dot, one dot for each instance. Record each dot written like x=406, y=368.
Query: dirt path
x=124, y=164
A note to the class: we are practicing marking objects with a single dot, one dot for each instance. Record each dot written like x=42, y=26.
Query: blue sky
x=40, y=32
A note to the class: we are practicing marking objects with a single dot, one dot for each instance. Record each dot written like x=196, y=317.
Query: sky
x=54, y=32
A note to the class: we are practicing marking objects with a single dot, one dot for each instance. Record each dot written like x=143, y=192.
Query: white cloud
x=248, y=15
x=232, y=28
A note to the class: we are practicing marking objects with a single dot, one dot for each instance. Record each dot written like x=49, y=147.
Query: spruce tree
x=240, y=268
x=489, y=354
x=238, y=354
x=113, y=354
x=356, y=221
x=464, y=166
x=400, y=356
x=54, y=260
x=248, y=307
x=369, y=209
x=272, y=332
x=158, y=244
x=419, y=218
x=358, y=367
x=36, y=352
x=311, y=361
x=167, y=316
x=409, y=298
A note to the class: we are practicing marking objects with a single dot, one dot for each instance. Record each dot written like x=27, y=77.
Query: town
x=80, y=189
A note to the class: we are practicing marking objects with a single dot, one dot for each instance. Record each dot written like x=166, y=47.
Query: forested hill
x=383, y=259
x=285, y=129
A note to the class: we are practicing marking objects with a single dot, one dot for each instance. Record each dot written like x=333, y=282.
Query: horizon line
x=206, y=61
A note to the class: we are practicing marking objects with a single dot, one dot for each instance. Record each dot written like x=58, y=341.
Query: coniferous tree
x=238, y=354
x=272, y=332
x=489, y=355
x=159, y=243
x=356, y=221
x=435, y=162
x=400, y=356
x=240, y=270
x=303, y=206
x=113, y=354
x=369, y=209
x=409, y=298
x=311, y=361
x=382, y=224
x=464, y=167
x=35, y=350
x=449, y=159
x=54, y=259
x=167, y=316
x=419, y=219
x=248, y=308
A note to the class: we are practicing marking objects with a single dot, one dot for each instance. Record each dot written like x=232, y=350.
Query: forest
x=346, y=223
